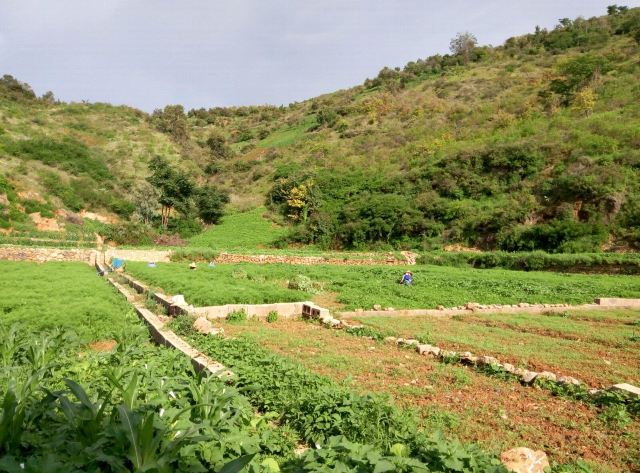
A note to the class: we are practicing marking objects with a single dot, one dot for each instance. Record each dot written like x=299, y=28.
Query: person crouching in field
x=407, y=279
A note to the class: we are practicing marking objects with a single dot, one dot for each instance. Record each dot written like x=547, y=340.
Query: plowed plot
x=600, y=348
x=456, y=399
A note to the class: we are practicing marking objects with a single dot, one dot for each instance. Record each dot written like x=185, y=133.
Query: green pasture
x=239, y=230
x=288, y=135
x=363, y=286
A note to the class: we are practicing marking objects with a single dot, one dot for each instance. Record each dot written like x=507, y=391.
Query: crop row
x=611, y=400
x=366, y=286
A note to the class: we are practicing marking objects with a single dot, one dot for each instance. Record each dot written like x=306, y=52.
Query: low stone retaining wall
x=617, y=302
x=522, y=308
x=42, y=255
x=169, y=339
x=284, y=309
x=136, y=285
x=228, y=258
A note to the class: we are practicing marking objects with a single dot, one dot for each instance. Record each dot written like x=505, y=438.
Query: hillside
x=534, y=144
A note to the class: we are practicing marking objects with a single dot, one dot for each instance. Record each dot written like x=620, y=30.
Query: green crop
x=366, y=286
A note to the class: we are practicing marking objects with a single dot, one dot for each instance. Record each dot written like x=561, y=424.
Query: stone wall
x=284, y=309
x=156, y=256
x=41, y=255
x=617, y=302
x=228, y=258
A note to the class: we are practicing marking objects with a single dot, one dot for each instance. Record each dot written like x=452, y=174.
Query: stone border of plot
x=602, y=303
x=526, y=377
x=168, y=338
x=261, y=311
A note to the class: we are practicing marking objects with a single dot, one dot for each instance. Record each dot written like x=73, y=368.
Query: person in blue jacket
x=407, y=279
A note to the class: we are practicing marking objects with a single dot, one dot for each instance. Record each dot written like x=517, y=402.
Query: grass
x=594, y=347
x=288, y=135
x=239, y=230
x=60, y=295
x=363, y=286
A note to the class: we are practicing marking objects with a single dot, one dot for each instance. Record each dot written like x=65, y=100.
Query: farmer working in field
x=407, y=279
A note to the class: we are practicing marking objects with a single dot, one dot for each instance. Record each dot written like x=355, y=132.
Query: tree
x=585, y=100
x=615, y=9
x=565, y=22
x=210, y=202
x=218, y=146
x=578, y=73
x=48, y=97
x=15, y=89
x=463, y=44
x=145, y=200
x=175, y=188
x=172, y=120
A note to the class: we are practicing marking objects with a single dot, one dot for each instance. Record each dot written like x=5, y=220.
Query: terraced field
x=83, y=389
x=497, y=413
x=362, y=287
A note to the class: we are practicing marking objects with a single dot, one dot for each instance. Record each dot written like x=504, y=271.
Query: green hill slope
x=531, y=145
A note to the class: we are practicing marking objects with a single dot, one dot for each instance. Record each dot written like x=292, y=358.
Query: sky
x=206, y=53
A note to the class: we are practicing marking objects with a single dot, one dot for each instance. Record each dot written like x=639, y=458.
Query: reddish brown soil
x=103, y=345
x=498, y=414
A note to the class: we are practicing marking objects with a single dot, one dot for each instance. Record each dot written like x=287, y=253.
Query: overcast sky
x=203, y=53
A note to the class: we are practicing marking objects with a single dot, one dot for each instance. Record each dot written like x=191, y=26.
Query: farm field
x=345, y=287
x=240, y=230
x=600, y=348
x=59, y=295
x=456, y=399
x=123, y=404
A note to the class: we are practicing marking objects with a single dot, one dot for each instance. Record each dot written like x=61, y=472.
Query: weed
x=237, y=316
x=272, y=316
x=615, y=415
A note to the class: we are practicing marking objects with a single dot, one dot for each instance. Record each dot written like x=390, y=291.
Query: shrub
x=68, y=154
x=130, y=233
x=304, y=283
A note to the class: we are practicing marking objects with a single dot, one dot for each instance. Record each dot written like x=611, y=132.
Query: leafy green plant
x=272, y=316
x=237, y=316
x=615, y=415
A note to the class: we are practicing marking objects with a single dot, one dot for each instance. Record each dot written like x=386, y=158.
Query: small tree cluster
x=463, y=44
x=173, y=121
x=177, y=191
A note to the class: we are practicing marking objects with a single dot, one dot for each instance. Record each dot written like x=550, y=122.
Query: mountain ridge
x=529, y=145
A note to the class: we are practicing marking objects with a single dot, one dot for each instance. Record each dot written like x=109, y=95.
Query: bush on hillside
x=70, y=155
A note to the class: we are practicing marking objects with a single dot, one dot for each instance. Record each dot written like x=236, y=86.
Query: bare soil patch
x=103, y=345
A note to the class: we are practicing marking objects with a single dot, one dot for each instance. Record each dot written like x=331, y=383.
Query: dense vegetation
x=532, y=145
x=117, y=403
x=624, y=263
x=528, y=146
